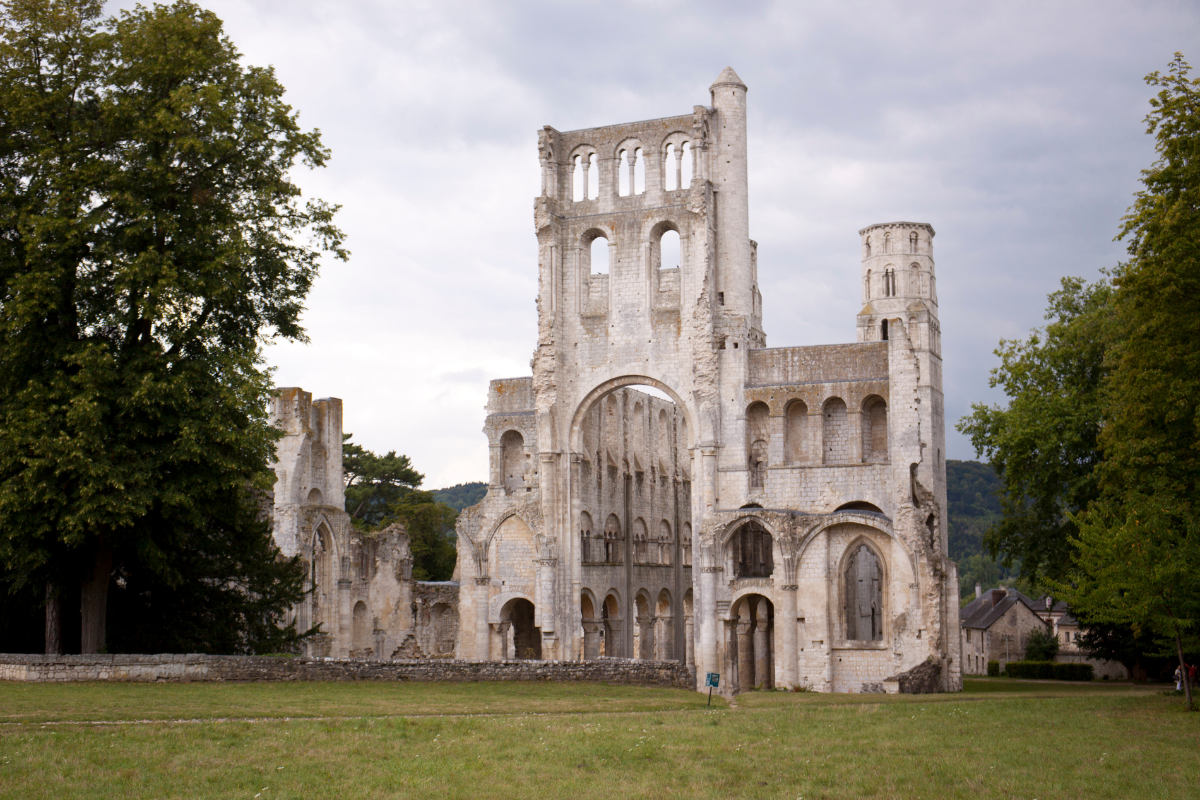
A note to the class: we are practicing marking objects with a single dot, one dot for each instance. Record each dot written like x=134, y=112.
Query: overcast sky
x=1015, y=128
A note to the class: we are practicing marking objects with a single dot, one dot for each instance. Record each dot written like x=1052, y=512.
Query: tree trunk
x=93, y=603
x=53, y=621
x=1187, y=684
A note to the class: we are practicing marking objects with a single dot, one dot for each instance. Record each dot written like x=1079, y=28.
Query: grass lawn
x=1000, y=738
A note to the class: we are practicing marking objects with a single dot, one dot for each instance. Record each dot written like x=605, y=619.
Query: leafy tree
x=150, y=242
x=1043, y=446
x=430, y=526
x=1138, y=546
x=1042, y=645
x=374, y=482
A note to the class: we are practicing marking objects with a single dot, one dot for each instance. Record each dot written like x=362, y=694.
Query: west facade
x=665, y=485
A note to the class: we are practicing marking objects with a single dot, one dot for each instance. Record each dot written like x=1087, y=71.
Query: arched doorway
x=610, y=617
x=664, y=628
x=591, y=628
x=526, y=639
x=753, y=642
x=361, y=636
x=645, y=627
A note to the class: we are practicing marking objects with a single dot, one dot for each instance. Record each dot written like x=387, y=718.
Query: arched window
x=752, y=557
x=867, y=284
x=914, y=280
x=586, y=547
x=641, y=543
x=666, y=544
x=578, y=176
x=868, y=247
x=686, y=166
x=883, y=331
x=874, y=429
x=887, y=242
x=592, y=184
x=612, y=540
x=668, y=249
x=757, y=435
x=864, y=596
x=835, y=433
x=361, y=636
x=512, y=461
x=624, y=174
x=639, y=172
x=795, y=431
x=685, y=545
x=912, y=242
x=889, y=282
x=670, y=171
x=598, y=256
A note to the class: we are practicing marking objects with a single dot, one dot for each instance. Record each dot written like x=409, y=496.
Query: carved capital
x=483, y=580
x=791, y=587
x=712, y=569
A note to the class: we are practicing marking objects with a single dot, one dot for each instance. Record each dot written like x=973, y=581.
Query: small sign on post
x=712, y=681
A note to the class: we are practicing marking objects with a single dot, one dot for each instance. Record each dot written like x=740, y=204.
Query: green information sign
x=713, y=680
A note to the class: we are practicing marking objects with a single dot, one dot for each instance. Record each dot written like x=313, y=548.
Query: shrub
x=993, y=669
x=1041, y=646
x=1049, y=670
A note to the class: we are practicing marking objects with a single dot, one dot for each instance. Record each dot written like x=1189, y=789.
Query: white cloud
x=1014, y=128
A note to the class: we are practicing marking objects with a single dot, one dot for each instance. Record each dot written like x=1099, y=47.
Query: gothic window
x=795, y=431
x=874, y=429
x=512, y=461
x=757, y=434
x=752, y=552
x=612, y=540
x=641, y=543
x=585, y=537
x=864, y=596
x=666, y=544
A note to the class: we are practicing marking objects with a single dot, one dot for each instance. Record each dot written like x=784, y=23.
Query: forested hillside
x=971, y=493
x=461, y=495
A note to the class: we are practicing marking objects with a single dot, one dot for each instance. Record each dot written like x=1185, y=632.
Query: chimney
x=998, y=595
x=978, y=591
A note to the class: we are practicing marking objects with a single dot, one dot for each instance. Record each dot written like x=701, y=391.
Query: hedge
x=1049, y=670
x=993, y=669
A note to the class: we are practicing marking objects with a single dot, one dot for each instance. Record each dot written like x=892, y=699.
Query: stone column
x=785, y=624
x=689, y=641
x=745, y=666
x=646, y=638
x=761, y=653
x=613, y=644
x=498, y=647
x=483, y=646
x=709, y=625
x=591, y=640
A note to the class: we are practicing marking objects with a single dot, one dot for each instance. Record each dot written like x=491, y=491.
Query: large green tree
x=150, y=242
x=1138, y=546
x=1043, y=444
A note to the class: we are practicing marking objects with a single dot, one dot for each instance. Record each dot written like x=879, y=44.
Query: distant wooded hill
x=461, y=495
x=971, y=491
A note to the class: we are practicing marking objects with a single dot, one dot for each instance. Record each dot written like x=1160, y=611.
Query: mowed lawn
x=1000, y=738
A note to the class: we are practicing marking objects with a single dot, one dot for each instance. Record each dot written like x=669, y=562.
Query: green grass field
x=1000, y=738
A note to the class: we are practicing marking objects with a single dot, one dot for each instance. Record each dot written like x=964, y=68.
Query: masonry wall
x=185, y=668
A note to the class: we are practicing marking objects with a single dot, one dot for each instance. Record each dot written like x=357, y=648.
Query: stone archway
x=753, y=643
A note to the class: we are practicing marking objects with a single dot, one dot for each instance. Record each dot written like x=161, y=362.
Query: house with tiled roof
x=995, y=627
x=1066, y=628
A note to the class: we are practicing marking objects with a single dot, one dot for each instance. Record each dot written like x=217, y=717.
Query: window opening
x=686, y=166
x=669, y=249
x=752, y=555
x=883, y=331
x=577, y=178
x=624, y=174
x=599, y=256
x=671, y=168
x=864, y=596
x=593, y=178
x=639, y=171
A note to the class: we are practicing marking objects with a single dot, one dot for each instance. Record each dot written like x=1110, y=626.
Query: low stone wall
x=183, y=668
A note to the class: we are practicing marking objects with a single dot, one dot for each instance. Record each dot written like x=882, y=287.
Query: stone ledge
x=195, y=667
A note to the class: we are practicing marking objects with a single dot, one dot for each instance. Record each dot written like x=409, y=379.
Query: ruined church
x=665, y=486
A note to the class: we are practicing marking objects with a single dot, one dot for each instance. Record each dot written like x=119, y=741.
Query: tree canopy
x=150, y=242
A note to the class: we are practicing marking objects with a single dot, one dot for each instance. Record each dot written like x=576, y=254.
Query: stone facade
x=779, y=517
x=995, y=627
x=184, y=668
x=361, y=595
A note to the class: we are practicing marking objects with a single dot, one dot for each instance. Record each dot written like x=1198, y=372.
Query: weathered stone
x=924, y=678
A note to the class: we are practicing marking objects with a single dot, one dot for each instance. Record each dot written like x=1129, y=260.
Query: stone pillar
x=345, y=619
x=482, y=651
x=689, y=640
x=646, y=638
x=591, y=640
x=745, y=665
x=709, y=625
x=761, y=653
x=498, y=646
x=613, y=642
x=785, y=624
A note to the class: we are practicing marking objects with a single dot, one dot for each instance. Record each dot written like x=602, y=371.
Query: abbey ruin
x=665, y=486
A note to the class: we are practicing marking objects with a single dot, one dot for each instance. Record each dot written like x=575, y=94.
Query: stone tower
x=808, y=482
